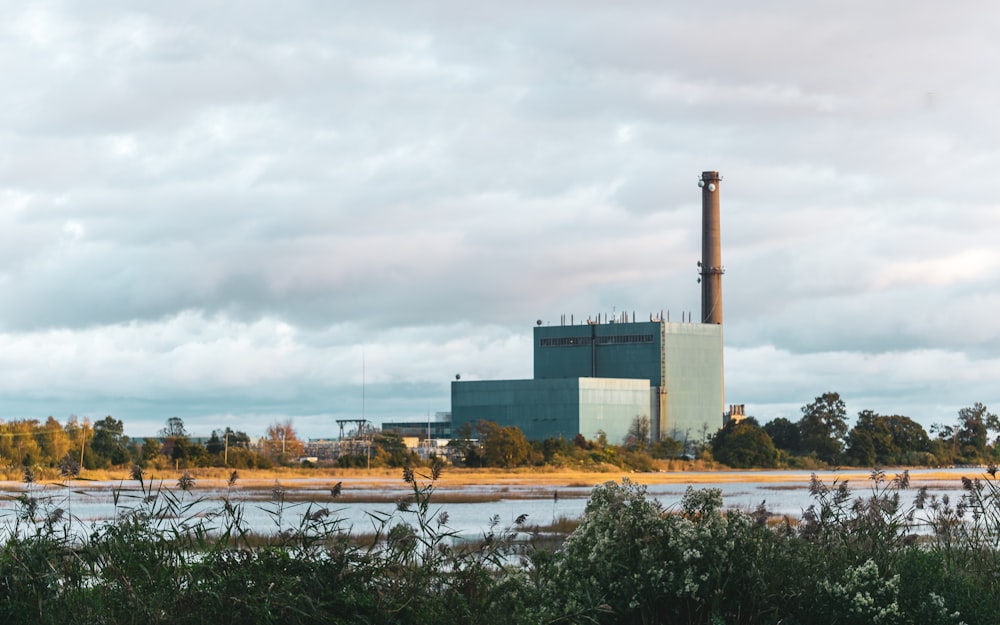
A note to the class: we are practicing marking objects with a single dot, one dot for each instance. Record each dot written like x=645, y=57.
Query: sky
x=242, y=213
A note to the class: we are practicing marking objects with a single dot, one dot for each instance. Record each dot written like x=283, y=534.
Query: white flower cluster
x=937, y=604
x=864, y=596
x=642, y=557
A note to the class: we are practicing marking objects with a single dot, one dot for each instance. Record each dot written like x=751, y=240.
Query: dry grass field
x=456, y=478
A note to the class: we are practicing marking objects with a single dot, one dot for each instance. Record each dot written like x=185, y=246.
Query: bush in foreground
x=849, y=559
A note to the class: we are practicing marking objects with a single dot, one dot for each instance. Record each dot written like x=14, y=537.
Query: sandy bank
x=391, y=479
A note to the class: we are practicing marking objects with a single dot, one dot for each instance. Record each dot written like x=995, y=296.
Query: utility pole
x=83, y=443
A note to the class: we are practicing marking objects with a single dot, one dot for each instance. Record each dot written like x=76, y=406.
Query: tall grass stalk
x=870, y=557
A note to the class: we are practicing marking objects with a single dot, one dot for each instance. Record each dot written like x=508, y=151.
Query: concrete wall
x=694, y=380
x=552, y=407
x=585, y=379
x=611, y=405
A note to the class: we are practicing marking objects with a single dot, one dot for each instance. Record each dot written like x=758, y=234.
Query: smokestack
x=711, y=249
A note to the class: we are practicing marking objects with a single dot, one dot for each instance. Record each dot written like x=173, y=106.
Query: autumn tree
x=281, y=442
x=501, y=446
x=80, y=433
x=18, y=442
x=54, y=441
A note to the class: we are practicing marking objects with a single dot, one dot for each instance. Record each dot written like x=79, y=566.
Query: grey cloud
x=445, y=163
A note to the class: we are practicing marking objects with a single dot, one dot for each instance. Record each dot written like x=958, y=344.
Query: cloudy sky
x=239, y=212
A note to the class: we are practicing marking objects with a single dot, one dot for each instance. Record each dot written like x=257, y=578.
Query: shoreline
x=452, y=478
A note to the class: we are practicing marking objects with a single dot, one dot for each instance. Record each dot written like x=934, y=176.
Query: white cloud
x=967, y=266
x=220, y=209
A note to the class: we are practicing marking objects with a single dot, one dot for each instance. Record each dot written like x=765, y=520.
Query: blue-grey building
x=595, y=376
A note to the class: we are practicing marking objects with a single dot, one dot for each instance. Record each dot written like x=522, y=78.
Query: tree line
x=822, y=437
x=80, y=443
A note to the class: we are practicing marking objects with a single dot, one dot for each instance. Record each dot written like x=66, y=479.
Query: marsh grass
x=878, y=554
x=393, y=495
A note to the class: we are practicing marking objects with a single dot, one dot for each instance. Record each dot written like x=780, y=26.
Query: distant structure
x=439, y=427
x=601, y=374
x=737, y=413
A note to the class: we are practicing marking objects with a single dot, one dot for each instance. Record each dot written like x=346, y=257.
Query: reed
x=878, y=555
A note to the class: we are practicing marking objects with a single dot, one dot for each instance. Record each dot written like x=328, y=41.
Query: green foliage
x=744, y=445
x=852, y=558
x=666, y=448
x=784, y=434
x=860, y=448
x=823, y=427
x=885, y=440
x=109, y=442
x=174, y=428
x=971, y=435
x=389, y=450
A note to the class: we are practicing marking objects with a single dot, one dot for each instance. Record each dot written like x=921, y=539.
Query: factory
x=601, y=373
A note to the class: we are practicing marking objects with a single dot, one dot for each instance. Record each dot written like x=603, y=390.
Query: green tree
x=823, y=427
x=886, y=440
x=174, y=428
x=667, y=448
x=238, y=438
x=184, y=453
x=909, y=437
x=784, y=434
x=744, y=445
x=150, y=451
x=945, y=444
x=558, y=450
x=109, y=443
x=216, y=444
x=972, y=432
x=389, y=449
x=464, y=443
x=860, y=448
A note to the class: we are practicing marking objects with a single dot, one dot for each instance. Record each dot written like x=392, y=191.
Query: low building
x=601, y=377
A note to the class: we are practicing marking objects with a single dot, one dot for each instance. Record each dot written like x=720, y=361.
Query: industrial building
x=439, y=427
x=600, y=374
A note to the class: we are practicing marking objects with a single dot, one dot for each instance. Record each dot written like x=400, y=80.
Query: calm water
x=782, y=492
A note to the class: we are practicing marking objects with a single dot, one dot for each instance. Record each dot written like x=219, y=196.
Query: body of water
x=781, y=492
